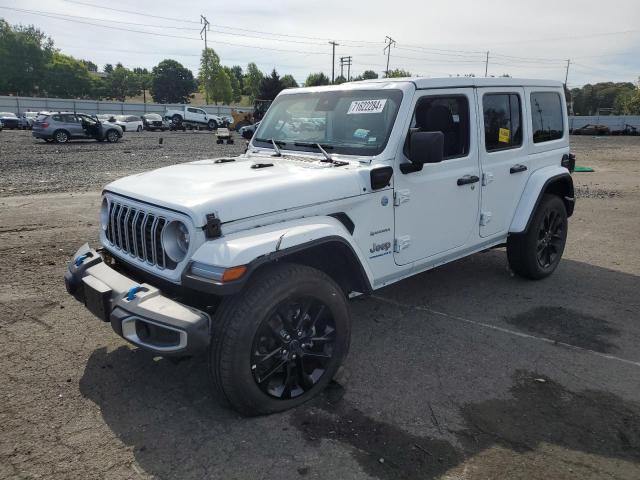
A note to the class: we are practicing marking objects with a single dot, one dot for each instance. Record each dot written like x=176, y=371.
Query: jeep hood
x=238, y=189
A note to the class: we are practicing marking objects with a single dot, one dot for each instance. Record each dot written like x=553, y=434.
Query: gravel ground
x=464, y=372
x=32, y=166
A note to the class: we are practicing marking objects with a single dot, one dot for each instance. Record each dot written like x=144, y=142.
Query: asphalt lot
x=464, y=372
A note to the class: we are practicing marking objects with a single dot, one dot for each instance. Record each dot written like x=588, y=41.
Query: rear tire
x=61, y=136
x=280, y=341
x=535, y=254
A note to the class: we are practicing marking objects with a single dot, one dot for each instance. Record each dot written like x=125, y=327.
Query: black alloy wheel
x=293, y=347
x=551, y=238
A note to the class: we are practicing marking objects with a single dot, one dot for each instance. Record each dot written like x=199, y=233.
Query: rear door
x=503, y=156
x=73, y=123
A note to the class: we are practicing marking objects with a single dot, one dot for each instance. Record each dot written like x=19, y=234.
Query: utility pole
x=566, y=75
x=486, y=65
x=203, y=34
x=345, y=61
x=333, y=60
x=388, y=43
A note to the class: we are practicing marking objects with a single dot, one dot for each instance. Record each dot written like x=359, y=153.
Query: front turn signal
x=233, y=273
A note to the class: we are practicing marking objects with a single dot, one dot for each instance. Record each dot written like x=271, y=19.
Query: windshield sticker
x=361, y=133
x=503, y=135
x=366, y=106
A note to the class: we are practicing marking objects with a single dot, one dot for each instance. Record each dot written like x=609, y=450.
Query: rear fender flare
x=554, y=179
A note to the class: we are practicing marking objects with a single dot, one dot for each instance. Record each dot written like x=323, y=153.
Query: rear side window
x=502, y=121
x=546, y=116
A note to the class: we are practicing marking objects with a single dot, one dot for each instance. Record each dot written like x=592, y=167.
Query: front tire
x=280, y=341
x=112, y=136
x=535, y=254
x=212, y=125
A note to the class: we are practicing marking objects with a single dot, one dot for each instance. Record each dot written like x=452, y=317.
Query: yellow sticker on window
x=503, y=135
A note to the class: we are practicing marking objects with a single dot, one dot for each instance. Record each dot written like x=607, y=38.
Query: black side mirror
x=424, y=147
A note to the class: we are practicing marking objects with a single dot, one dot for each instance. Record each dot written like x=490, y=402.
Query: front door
x=503, y=156
x=437, y=208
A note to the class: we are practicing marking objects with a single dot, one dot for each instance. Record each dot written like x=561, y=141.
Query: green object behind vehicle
x=580, y=169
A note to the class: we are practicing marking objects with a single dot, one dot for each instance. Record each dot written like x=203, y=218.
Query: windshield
x=152, y=116
x=7, y=114
x=351, y=122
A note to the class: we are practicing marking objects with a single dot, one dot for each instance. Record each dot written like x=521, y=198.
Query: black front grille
x=138, y=233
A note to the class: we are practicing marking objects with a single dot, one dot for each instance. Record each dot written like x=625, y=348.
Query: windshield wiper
x=319, y=147
x=270, y=140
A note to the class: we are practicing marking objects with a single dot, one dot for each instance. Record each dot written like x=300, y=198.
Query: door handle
x=518, y=168
x=467, y=179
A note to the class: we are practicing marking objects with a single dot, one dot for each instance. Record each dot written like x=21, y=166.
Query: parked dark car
x=153, y=121
x=61, y=127
x=591, y=129
x=627, y=130
x=10, y=120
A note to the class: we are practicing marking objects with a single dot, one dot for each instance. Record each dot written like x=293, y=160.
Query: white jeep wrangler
x=343, y=190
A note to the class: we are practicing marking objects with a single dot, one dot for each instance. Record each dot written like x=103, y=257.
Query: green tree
x=237, y=71
x=252, y=80
x=108, y=68
x=590, y=99
x=339, y=79
x=316, y=79
x=270, y=86
x=397, y=73
x=121, y=83
x=235, y=84
x=171, y=82
x=288, y=81
x=369, y=75
x=214, y=81
x=66, y=77
x=144, y=81
x=92, y=67
x=24, y=54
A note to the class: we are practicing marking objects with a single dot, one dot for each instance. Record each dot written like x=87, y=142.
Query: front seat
x=438, y=118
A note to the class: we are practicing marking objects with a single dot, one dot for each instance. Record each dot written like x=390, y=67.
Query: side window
x=546, y=116
x=69, y=118
x=57, y=118
x=448, y=114
x=502, y=121
x=201, y=112
x=192, y=110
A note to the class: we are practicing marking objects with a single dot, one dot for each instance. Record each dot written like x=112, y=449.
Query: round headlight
x=104, y=214
x=175, y=240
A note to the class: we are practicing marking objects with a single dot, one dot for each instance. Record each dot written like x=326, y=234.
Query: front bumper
x=138, y=312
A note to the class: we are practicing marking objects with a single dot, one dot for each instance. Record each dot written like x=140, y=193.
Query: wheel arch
x=326, y=246
x=555, y=181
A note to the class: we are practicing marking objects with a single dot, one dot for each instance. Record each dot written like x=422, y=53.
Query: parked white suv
x=343, y=190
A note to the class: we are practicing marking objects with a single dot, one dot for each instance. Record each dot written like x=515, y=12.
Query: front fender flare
x=259, y=246
x=536, y=186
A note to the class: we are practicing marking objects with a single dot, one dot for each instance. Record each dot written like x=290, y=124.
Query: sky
x=526, y=39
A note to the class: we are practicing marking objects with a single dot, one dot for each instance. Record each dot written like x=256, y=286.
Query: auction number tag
x=366, y=106
x=503, y=135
